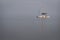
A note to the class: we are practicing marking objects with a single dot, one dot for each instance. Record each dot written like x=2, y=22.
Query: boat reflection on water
x=43, y=17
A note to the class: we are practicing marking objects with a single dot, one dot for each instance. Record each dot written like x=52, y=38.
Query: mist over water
x=18, y=20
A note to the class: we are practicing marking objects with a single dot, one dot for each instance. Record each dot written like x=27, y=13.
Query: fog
x=18, y=20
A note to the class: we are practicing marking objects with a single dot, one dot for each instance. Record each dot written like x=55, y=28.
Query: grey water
x=18, y=20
